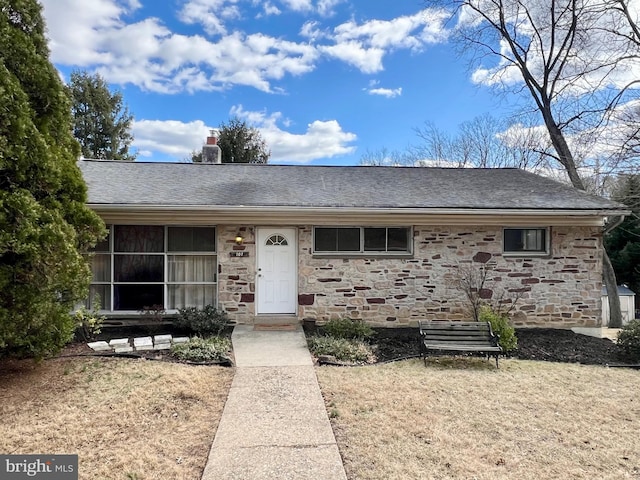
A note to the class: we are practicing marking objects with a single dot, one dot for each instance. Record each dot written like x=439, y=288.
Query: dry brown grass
x=463, y=419
x=126, y=419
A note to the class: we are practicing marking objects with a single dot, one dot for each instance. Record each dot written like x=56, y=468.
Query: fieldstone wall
x=236, y=275
x=560, y=290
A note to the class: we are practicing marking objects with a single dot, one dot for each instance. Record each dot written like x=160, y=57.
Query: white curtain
x=186, y=269
x=100, y=292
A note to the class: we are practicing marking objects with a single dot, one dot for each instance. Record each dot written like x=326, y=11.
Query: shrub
x=212, y=349
x=500, y=325
x=348, y=350
x=629, y=339
x=89, y=322
x=45, y=223
x=154, y=313
x=206, y=321
x=348, y=329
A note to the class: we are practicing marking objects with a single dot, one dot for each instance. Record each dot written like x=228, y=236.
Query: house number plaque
x=239, y=254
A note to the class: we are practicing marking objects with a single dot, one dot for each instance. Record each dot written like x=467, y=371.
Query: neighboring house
x=384, y=244
x=627, y=305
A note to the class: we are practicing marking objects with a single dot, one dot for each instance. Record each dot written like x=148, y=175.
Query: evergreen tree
x=44, y=221
x=623, y=243
x=101, y=120
x=239, y=143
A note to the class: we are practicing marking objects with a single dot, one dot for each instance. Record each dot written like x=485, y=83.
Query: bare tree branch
x=571, y=60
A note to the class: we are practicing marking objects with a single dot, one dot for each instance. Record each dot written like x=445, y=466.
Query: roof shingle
x=185, y=184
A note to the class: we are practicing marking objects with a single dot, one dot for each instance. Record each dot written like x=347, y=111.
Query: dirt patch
x=125, y=418
x=463, y=418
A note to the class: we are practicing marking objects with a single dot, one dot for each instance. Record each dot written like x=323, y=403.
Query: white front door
x=277, y=276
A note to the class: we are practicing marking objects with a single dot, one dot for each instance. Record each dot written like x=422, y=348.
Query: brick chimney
x=211, y=152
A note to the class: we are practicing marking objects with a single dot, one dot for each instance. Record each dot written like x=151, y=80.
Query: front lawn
x=464, y=419
x=126, y=419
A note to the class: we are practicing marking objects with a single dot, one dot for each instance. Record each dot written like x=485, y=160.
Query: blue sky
x=324, y=80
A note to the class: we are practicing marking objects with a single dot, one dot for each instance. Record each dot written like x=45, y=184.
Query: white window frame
x=528, y=253
x=165, y=254
x=362, y=252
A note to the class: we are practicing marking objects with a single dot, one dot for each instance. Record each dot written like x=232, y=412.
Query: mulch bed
x=79, y=346
x=548, y=344
x=566, y=346
x=391, y=344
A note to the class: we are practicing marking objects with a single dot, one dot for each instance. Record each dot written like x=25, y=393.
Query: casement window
x=526, y=241
x=141, y=266
x=362, y=240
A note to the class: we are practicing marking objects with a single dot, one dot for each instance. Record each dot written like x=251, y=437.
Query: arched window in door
x=276, y=239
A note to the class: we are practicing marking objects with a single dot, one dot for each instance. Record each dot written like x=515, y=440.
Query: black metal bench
x=474, y=337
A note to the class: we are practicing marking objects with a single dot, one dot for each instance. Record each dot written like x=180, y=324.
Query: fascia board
x=237, y=215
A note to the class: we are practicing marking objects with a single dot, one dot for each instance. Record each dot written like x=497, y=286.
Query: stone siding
x=236, y=275
x=560, y=290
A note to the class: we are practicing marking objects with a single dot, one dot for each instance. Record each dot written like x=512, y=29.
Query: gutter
x=111, y=207
x=617, y=220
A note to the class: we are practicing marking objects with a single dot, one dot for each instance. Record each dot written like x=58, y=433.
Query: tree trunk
x=565, y=156
x=609, y=276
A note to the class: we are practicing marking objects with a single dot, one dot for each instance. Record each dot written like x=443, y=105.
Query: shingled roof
x=187, y=184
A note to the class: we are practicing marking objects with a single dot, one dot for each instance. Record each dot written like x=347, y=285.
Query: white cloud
x=73, y=29
x=367, y=60
x=325, y=7
x=298, y=5
x=385, y=92
x=322, y=139
x=171, y=137
x=311, y=31
x=97, y=36
x=268, y=8
x=163, y=61
x=364, y=45
x=210, y=14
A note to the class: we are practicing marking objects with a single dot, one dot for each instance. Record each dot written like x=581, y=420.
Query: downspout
x=617, y=220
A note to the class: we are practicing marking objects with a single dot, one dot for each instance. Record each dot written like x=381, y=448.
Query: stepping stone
x=178, y=340
x=119, y=342
x=162, y=339
x=162, y=346
x=126, y=349
x=99, y=346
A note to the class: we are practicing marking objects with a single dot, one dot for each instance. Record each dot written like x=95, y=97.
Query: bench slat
x=431, y=341
x=468, y=333
x=444, y=338
x=465, y=348
x=456, y=331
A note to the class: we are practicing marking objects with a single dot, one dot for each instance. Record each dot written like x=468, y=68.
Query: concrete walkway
x=274, y=424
